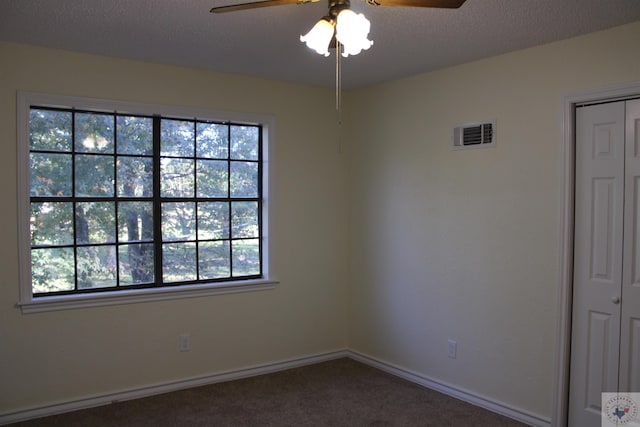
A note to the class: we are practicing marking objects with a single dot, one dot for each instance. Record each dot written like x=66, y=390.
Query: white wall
x=60, y=356
x=464, y=244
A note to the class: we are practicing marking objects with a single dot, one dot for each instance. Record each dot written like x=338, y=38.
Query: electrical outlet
x=452, y=348
x=185, y=342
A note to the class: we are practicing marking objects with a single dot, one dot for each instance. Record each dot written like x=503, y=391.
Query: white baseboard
x=458, y=393
x=105, y=399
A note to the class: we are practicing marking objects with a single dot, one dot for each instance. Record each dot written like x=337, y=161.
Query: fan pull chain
x=338, y=83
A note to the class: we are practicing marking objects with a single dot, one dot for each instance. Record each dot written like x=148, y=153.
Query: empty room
x=198, y=194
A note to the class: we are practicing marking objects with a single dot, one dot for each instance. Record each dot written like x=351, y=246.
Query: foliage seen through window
x=122, y=201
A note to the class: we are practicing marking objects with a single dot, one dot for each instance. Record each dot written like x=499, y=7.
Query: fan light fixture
x=320, y=36
x=350, y=29
x=341, y=28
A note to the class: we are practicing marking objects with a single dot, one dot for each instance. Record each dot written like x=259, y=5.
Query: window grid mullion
x=157, y=204
x=230, y=200
x=195, y=196
x=73, y=197
x=260, y=198
x=116, y=205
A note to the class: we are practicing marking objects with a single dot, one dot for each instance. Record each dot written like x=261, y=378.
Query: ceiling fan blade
x=255, y=5
x=448, y=4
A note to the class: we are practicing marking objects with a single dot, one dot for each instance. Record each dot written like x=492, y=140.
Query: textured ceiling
x=265, y=42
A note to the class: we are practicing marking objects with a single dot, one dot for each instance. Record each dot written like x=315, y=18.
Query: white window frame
x=29, y=304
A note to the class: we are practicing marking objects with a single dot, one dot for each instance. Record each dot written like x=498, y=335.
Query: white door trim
x=564, y=299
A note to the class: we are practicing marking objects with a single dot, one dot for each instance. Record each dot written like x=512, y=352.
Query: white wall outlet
x=185, y=342
x=452, y=348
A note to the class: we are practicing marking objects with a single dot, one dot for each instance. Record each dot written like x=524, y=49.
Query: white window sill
x=69, y=302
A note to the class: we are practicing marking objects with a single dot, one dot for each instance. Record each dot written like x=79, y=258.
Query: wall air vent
x=474, y=135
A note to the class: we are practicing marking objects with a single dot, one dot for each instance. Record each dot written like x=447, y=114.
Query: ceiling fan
x=341, y=26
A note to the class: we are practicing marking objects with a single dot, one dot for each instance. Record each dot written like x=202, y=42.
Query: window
x=123, y=203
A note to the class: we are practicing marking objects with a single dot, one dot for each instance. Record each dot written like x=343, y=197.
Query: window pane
x=246, y=257
x=244, y=219
x=245, y=141
x=178, y=262
x=177, y=138
x=178, y=221
x=50, y=174
x=135, y=176
x=244, y=179
x=52, y=270
x=95, y=222
x=214, y=260
x=96, y=266
x=50, y=130
x=94, y=176
x=177, y=178
x=51, y=223
x=135, y=221
x=136, y=264
x=213, y=220
x=94, y=133
x=135, y=135
x=213, y=178
x=212, y=141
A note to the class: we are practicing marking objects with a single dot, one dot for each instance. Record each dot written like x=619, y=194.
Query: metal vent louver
x=474, y=135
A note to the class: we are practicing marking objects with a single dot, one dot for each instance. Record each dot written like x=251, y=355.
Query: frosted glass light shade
x=352, y=30
x=319, y=37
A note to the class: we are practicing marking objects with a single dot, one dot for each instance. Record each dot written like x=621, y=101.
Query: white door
x=605, y=353
x=630, y=322
x=597, y=273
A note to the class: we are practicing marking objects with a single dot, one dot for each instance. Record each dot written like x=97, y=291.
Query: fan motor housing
x=337, y=6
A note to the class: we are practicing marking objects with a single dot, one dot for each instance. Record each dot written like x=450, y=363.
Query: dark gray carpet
x=341, y=392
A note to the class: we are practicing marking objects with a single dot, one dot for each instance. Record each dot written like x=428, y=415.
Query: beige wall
x=439, y=244
x=59, y=356
x=464, y=244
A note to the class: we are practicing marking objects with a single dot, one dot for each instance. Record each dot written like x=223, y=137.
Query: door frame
x=624, y=91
